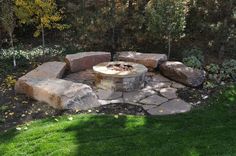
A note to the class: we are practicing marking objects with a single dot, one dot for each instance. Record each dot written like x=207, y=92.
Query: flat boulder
x=174, y=106
x=86, y=60
x=60, y=94
x=48, y=70
x=51, y=70
x=178, y=72
x=150, y=60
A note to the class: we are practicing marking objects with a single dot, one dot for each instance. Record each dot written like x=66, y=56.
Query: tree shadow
x=206, y=131
x=129, y=135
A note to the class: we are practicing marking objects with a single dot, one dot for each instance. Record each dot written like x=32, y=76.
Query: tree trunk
x=14, y=54
x=43, y=42
x=169, y=45
x=113, y=29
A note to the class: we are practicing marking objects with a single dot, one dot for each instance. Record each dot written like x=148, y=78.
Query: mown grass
x=210, y=130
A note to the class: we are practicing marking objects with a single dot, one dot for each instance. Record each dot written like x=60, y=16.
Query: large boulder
x=43, y=84
x=86, y=60
x=58, y=93
x=178, y=72
x=150, y=60
x=50, y=70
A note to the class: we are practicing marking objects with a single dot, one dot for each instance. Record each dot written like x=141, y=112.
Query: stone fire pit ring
x=120, y=76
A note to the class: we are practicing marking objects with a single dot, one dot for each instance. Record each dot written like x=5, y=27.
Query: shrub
x=228, y=70
x=213, y=71
x=198, y=53
x=10, y=81
x=193, y=62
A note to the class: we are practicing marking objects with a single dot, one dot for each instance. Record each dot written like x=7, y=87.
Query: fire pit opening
x=120, y=67
x=120, y=76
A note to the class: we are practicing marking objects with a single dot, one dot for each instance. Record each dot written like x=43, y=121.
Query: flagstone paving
x=158, y=97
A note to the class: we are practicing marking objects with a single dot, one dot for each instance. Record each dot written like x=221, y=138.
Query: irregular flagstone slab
x=154, y=100
x=47, y=70
x=136, y=96
x=159, y=85
x=177, y=71
x=148, y=107
x=107, y=102
x=108, y=94
x=88, y=77
x=60, y=94
x=169, y=93
x=104, y=102
x=150, y=60
x=160, y=78
x=171, y=107
x=86, y=60
x=177, y=85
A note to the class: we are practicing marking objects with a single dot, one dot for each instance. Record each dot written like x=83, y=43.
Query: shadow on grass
x=208, y=131
x=202, y=132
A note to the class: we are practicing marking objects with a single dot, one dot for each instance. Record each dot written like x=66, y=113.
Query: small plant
x=213, y=68
x=209, y=85
x=213, y=71
x=193, y=62
x=10, y=81
x=228, y=70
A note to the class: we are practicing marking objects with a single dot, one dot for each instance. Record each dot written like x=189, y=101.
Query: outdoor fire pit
x=120, y=76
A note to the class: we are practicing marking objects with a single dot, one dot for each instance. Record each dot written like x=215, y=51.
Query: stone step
x=171, y=107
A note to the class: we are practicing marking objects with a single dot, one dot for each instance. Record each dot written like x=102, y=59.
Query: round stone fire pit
x=120, y=76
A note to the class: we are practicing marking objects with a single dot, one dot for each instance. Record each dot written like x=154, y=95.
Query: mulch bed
x=18, y=109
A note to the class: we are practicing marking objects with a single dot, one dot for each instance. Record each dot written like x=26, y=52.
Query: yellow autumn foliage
x=41, y=13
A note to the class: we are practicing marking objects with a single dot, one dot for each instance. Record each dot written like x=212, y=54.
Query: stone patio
x=158, y=97
x=78, y=89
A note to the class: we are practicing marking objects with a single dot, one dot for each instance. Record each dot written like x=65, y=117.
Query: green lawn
x=207, y=131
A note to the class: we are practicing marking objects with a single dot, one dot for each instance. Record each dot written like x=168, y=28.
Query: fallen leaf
x=70, y=118
x=18, y=128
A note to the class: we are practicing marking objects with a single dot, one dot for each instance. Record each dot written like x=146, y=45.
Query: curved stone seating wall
x=77, y=90
x=86, y=60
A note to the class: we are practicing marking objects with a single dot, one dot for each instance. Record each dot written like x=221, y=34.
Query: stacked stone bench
x=45, y=84
x=86, y=60
x=173, y=70
x=150, y=60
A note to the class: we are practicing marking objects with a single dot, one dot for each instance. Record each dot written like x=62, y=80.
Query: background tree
x=8, y=22
x=166, y=19
x=43, y=14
